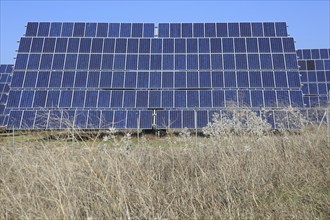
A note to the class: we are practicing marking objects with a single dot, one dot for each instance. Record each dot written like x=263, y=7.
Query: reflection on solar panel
x=314, y=66
x=5, y=78
x=123, y=75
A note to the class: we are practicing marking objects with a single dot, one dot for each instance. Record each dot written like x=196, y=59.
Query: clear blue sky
x=309, y=21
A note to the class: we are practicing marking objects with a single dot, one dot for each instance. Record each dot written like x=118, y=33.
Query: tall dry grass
x=283, y=176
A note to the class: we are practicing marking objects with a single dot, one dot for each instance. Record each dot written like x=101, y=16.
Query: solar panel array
x=127, y=75
x=314, y=66
x=5, y=78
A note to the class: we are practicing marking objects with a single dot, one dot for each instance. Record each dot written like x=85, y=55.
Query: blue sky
x=309, y=21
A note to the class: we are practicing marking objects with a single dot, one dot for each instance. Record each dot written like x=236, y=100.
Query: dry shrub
x=237, y=177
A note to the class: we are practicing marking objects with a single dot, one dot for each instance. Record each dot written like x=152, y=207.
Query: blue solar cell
x=192, y=62
x=242, y=79
x=148, y=30
x=168, y=62
x=202, y=119
x=116, y=99
x=129, y=99
x=164, y=30
x=25, y=44
x=55, y=29
x=133, y=119
x=30, y=79
x=109, y=45
x=107, y=62
x=167, y=80
x=266, y=61
x=93, y=119
x=180, y=80
x=281, y=79
x=154, y=99
x=80, y=120
x=281, y=29
x=18, y=78
x=222, y=30
x=192, y=99
x=67, y=120
x=106, y=119
x=205, y=99
x=46, y=61
x=28, y=119
x=167, y=99
x=189, y=119
x=155, y=79
x=85, y=45
x=68, y=79
x=125, y=30
x=34, y=61
x=293, y=79
x=142, y=99
x=143, y=62
x=240, y=46
x=41, y=119
x=269, y=29
x=104, y=99
x=40, y=99
x=204, y=45
x=175, y=30
x=73, y=45
x=55, y=79
x=155, y=62
x=78, y=99
x=233, y=29
x=70, y=61
x=119, y=62
x=192, y=80
x=65, y=99
x=137, y=30
x=162, y=119
x=114, y=30
x=95, y=62
x=91, y=99
x=230, y=79
x=187, y=30
x=61, y=45
x=257, y=99
x=218, y=98
x=180, y=62
x=79, y=29
x=102, y=30
x=241, y=61
x=145, y=119
x=244, y=99
x=210, y=30
x=90, y=30
x=180, y=99
x=245, y=29
x=229, y=61
x=31, y=29
x=175, y=119
x=143, y=80
x=97, y=45
x=270, y=98
x=26, y=99
x=231, y=98
x=43, y=79
x=67, y=29
x=119, y=120
x=83, y=61
x=283, y=98
x=53, y=99
x=268, y=79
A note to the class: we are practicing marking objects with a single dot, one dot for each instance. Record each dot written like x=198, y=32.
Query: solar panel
x=314, y=66
x=5, y=79
x=122, y=75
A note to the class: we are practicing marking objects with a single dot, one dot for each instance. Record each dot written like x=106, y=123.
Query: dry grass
x=235, y=177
